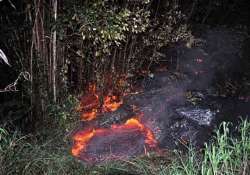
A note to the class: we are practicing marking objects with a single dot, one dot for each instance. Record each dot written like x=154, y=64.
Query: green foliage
x=228, y=156
x=63, y=114
x=118, y=36
x=188, y=165
x=3, y=139
x=24, y=155
x=104, y=23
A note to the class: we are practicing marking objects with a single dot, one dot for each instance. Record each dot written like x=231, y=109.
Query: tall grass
x=225, y=155
x=27, y=155
x=228, y=156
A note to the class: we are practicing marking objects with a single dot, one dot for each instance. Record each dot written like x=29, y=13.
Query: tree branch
x=12, y=87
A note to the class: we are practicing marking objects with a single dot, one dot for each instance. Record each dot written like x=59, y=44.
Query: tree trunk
x=54, y=51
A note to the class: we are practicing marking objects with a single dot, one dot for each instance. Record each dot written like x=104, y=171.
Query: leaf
x=4, y=58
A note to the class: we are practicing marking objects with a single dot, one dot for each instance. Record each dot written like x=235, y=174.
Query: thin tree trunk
x=36, y=43
x=54, y=52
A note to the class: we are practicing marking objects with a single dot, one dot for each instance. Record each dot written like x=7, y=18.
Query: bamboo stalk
x=54, y=52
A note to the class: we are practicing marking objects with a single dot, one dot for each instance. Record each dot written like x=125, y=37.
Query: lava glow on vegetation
x=90, y=107
x=82, y=138
x=90, y=104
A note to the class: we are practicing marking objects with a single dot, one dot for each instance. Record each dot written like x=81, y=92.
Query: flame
x=90, y=104
x=87, y=116
x=111, y=103
x=82, y=138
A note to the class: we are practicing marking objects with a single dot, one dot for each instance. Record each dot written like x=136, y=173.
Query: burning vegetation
x=91, y=104
x=96, y=143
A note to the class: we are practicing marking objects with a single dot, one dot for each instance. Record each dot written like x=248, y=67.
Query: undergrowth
x=29, y=155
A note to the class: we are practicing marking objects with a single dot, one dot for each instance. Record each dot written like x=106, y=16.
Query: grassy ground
x=41, y=154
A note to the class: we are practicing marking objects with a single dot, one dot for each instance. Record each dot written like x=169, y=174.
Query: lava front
x=119, y=141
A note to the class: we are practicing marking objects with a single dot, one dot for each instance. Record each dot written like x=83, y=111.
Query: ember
x=84, y=140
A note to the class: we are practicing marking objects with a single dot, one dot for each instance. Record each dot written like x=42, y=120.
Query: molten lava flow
x=90, y=104
x=89, y=115
x=80, y=141
x=111, y=103
x=123, y=140
x=149, y=136
x=82, y=138
x=89, y=101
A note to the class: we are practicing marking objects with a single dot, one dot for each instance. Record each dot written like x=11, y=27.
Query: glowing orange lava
x=89, y=115
x=90, y=104
x=149, y=136
x=111, y=103
x=131, y=133
x=80, y=141
x=82, y=138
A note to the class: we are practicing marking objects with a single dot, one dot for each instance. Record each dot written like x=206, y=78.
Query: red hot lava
x=83, y=140
x=90, y=104
x=128, y=139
